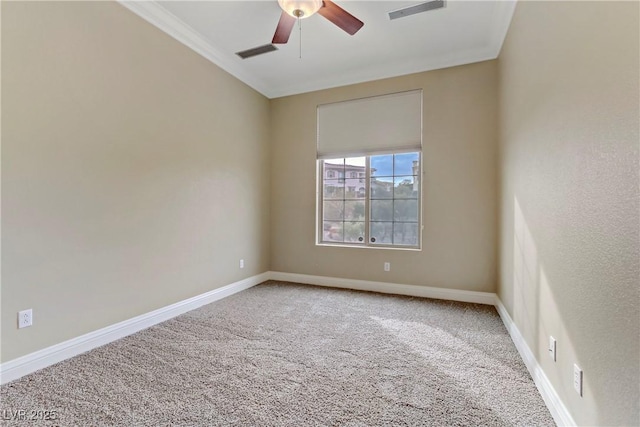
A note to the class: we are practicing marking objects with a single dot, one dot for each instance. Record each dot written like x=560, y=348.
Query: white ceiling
x=462, y=32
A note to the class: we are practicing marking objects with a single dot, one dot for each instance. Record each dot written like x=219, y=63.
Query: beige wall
x=134, y=172
x=570, y=255
x=459, y=184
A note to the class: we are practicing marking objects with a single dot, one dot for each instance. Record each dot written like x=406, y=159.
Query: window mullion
x=367, y=200
x=393, y=198
x=320, y=198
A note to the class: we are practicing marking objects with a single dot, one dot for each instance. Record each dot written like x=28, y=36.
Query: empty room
x=319, y=213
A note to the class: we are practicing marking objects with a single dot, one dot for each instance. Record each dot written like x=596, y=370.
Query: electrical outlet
x=241, y=263
x=552, y=348
x=387, y=266
x=577, y=379
x=25, y=318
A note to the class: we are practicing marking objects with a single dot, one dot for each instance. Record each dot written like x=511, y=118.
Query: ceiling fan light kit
x=300, y=8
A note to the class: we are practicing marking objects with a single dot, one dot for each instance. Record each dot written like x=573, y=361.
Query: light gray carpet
x=294, y=355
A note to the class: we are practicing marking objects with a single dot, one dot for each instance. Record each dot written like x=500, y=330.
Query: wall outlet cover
x=25, y=318
x=577, y=379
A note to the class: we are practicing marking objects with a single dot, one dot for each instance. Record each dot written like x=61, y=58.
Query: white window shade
x=370, y=125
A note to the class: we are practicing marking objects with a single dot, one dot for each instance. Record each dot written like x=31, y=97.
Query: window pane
x=406, y=164
x=332, y=231
x=405, y=234
x=333, y=210
x=333, y=189
x=382, y=165
x=381, y=232
x=354, y=166
x=354, y=210
x=381, y=188
x=382, y=210
x=354, y=232
x=351, y=191
x=333, y=169
x=405, y=210
x=405, y=187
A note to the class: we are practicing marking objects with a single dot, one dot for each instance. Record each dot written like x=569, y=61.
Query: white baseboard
x=32, y=362
x=558, y=410
x=388, y=288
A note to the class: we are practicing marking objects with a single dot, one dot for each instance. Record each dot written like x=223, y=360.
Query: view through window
x=371, y=200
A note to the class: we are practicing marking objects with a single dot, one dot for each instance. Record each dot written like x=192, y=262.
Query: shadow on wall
x=537, y=316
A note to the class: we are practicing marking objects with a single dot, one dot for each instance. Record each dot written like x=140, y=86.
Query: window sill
x=393, y=248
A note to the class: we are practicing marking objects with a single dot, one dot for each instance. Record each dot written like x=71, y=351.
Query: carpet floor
x=282, y=354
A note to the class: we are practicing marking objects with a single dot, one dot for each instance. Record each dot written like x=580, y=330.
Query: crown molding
x=166, y=21
x=158, y=16
x=387, y=70
x=502, y=15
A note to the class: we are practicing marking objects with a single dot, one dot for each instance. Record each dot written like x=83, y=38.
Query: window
x=374, y=145
x=384, y=212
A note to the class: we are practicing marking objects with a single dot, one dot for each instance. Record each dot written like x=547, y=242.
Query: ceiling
x=460, y=33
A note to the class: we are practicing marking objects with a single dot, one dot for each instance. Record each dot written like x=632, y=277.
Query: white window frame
x=367, y=238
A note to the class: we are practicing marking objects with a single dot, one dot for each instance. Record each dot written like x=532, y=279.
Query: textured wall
x=459, y=184
x=134, y=172
x=570, y=256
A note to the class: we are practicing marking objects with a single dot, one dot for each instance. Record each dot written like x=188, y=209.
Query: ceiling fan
x=292, y=10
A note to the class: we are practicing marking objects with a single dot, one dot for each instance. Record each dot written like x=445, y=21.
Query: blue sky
x=384, y=164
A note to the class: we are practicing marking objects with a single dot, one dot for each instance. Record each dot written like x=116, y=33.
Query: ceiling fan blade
x=340, y=17
x=283, y=30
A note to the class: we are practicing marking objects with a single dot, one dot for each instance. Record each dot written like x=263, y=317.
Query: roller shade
x=370, y=125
